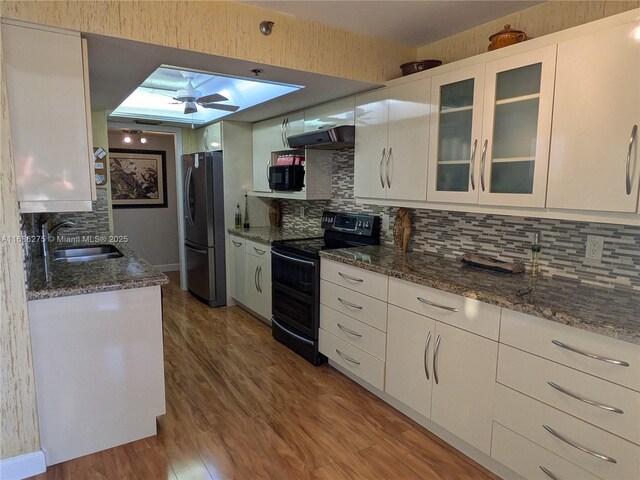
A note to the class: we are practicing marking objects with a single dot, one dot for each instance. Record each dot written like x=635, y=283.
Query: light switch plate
x=385, y=221
x=302, y=212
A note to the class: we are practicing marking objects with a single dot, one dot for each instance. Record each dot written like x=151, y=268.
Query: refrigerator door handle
x=197, y=250
x=187, y=195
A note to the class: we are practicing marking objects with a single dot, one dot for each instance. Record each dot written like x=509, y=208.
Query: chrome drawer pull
x=435, y=359
x=349, y=277
x=350, y=332
x=237, y=244
x=349, y=304
x=632, y=139
x=585, y=400
x=547, y=472
x=426, y=355
x=590, y=355
x=347, y=357
x=578, y=446
x=261, y=252
x=444, y=307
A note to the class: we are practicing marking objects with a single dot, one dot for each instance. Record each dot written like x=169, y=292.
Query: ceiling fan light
x=126, y=139
x=190, y=107
x=143, y=139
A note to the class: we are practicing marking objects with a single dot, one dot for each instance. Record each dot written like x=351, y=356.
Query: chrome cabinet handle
x=237, y=244
x=349, y=331
x=267, y=174
x=349, y=304
x=282, y=127
x=547, y=472
x=483, y=160
x=347, y=357
x=384, y=152
x=473, y=164
x=590, y=355
x=578, y=446
x=426, y=356
x=444, y=307
x=389, y=166
x=435, y=359
x=632, y=139
x=585, y=400
x=260, y=252
x=349, y=277
x=259, y=273
x=255, y=280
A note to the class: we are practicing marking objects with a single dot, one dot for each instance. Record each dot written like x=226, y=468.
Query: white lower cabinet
x=258, y=285
x=530, y=460
x=442, y=372
x=236, y=246
x=99, y=370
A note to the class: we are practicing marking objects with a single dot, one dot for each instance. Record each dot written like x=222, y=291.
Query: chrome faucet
x=46, y=232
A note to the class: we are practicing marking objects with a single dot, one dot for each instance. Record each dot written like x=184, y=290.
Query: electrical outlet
x=385, y=221
x=302, y=212
x=595, y=245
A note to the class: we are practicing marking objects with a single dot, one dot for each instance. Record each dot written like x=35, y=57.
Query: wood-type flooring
x=242, y=406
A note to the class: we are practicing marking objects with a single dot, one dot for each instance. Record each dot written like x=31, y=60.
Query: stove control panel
x=366, y=225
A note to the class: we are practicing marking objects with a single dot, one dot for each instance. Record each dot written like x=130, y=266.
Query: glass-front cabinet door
x=456, y=127
x=514, y=155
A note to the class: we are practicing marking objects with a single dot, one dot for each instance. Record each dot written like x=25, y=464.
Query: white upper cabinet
x=491, y=131
x=594, y=162
x=48, y=106
x=271, y=136
x=392, y=137
x=516, y=129
x=332, y=114
x=456, y=129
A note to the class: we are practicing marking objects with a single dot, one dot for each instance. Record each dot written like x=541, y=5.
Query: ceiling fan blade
x=219, y=106
x=214, y=97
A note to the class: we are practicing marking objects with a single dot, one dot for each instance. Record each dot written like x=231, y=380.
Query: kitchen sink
x=85, y=254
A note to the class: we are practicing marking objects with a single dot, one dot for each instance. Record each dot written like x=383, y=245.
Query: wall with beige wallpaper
x=19, y=426
x=229, y=29
x=536, y=21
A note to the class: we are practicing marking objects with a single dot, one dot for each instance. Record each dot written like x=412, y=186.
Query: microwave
x=286, y=178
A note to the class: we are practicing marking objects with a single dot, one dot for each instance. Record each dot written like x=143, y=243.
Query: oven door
x=295, y=282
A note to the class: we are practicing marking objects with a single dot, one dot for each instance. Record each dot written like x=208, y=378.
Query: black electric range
x=295, y=275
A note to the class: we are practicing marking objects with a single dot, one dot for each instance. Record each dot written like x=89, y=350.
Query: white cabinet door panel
x=597, y=105
x=409, y=363
x=238, y=269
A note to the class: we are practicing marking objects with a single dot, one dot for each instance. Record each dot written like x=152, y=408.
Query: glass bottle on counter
x=238, y=220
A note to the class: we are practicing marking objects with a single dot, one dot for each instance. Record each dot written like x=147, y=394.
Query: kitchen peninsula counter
x=94, y=276
x=611, y=312
x=268, y=235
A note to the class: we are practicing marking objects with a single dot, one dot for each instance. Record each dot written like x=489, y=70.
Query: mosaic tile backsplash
x=452, y=233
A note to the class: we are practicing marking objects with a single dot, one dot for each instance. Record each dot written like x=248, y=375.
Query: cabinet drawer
x=353, y=331
x=532, y=376
x=528, y=417
x=365, y=366
x=528, y=459
x=258, y=249
x=537, y=336
x=465, y=313
x=363, y=281
x=362, y=307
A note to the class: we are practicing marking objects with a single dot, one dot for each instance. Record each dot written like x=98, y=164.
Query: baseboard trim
x=169, y=267
x=23, y=466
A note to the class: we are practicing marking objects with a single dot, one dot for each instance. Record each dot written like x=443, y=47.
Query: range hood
x=331, y=138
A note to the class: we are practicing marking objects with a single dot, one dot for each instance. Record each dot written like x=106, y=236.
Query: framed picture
x=138, y=178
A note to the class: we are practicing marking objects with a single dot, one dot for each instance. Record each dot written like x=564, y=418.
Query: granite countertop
x=268, y=235
x=611, y=312
x=80, y=278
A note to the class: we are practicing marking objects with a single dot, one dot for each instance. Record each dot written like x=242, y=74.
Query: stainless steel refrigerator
x=204, y=226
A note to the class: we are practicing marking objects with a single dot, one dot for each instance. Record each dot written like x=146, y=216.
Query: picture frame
x=138, y=178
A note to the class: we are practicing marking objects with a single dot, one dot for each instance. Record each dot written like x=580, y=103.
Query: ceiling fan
x=192, y=97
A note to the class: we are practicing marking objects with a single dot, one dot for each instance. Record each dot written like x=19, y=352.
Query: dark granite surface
x=268, y=235
x=614, y=313
x=128, y=271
